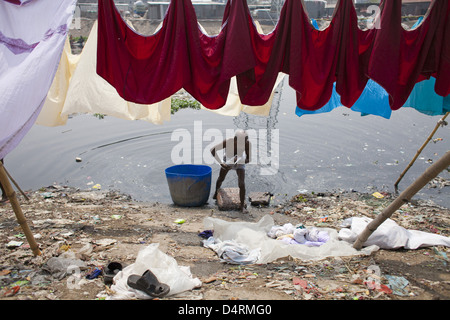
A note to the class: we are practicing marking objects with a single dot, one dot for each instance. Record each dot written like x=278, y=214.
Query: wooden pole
x=11, y=194
x=17, y=186
x=404, y=197
x=440, y=123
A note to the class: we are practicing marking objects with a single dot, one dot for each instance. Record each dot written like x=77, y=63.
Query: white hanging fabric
x=32, y=37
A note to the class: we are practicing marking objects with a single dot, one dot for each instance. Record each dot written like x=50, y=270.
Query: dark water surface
x=340, y=150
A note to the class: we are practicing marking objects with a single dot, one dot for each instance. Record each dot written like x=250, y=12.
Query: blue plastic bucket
x=189, y=184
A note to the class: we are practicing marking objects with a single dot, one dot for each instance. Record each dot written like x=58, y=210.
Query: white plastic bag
x=164, y=267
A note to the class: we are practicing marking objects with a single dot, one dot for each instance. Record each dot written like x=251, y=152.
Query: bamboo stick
x=11, y=194
x=404, y=197
x=440, y=123
x=16, y=184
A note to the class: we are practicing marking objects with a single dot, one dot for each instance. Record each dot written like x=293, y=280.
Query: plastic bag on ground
x=164, y=267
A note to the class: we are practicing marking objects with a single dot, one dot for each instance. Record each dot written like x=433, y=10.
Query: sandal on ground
x=149, y=284
x=110, y=272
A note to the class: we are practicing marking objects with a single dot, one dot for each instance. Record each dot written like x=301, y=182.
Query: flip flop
x=110, y=272
x=149, y=284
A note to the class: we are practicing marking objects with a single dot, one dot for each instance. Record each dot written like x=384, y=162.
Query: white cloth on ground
x=232, y=252
x=290, y=234
x=254, y=237
x=389, y=235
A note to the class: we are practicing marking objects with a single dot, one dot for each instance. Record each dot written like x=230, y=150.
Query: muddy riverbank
x=98, y=227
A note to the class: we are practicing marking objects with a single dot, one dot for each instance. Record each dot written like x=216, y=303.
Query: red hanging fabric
x=314, y=59
x=148, y=69
x=142, y=69
x=442, y=86
x=400, y=58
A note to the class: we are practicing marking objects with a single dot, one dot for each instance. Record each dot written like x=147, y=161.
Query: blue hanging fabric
x=374, y=100
x=423, y=97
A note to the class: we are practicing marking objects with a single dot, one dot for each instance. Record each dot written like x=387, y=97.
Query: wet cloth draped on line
x=375, y=100
x=400, y=58
x=77, y=88
x=150, y=69
x=290, y=234
x=87, y=92
x=184, y=57
x=32, y=36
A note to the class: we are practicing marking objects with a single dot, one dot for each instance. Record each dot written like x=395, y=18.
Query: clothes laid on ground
x=389, y=235
x=263, y=242
x=148, y=69
x=232, y=252
x=50, y=114
x=289, y=234
x=32, y=37
x=250, y=242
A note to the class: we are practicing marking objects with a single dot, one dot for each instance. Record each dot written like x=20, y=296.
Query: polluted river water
x=336, y=151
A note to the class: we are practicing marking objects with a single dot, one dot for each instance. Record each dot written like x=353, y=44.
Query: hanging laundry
x=313, y=59
x=400, y=58
x=149, y=69
x=32, y=37
x=424, y=99
x=77, y=89
x=89, y=93
x=50, y=114
x=233, y=106
x=375, y=100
